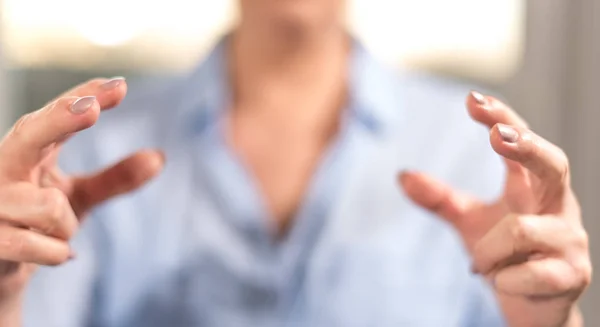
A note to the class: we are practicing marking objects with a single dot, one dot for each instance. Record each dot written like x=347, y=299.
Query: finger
x=109, y=92
x=45, y=210
x=518, y=237
x=545, y=160
x=124, y=177
x=36, y=133
x=53, y=177
x=23, y=245
x=547, y=277
x=435, y=196
x=491, y=111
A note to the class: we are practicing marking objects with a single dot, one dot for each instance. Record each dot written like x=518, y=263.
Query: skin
x=530, y=244
x=40, y=208
x=288, y=62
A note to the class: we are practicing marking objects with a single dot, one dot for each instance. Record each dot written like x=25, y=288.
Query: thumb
x=124, y=177
x=435, y=196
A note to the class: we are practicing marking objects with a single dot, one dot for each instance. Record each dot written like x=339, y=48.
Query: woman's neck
x=276, y=70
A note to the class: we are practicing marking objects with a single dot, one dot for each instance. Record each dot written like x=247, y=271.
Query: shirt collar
x=374, y=97
x=374, y=91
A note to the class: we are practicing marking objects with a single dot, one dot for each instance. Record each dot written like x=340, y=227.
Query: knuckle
x=94, y=82
x=55, y=104
x=62, y=102
x=71, y=224
x=55, y=202
x=568, y=278
x=533, y=151
x=55, y=198
x=564, y=167
x=559, y=282
x=19, y=128
x=16, y=244
x=586, y=276
x=478, y=254
x=581, y=238
x=583, y=268
x=521, y=229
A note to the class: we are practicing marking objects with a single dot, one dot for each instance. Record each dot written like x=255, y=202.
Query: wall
x=557, y=92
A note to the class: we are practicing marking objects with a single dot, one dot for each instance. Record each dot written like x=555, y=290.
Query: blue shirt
x=195, y=248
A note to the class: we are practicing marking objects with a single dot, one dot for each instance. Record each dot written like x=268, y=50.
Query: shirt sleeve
x=66, y=296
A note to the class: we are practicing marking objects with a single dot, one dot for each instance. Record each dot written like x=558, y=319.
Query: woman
x=279, y=203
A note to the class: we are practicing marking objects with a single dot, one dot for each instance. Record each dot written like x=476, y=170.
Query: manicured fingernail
x=113, y=83
x=82, y=105
x=508, y=134
x=479, y=98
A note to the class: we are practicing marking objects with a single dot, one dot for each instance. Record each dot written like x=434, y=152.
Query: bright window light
x=467, y=36
x=109, y=23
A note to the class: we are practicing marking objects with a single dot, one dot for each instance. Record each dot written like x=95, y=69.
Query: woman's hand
x=530, y=244
x=40, y=208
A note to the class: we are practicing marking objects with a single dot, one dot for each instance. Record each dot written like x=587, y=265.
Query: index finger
x=30, y=139
x=108, y=91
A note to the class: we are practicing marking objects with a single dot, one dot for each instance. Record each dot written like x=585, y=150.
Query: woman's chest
x=200, y=270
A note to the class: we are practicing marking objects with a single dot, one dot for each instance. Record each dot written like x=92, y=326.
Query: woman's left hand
x=530, y=244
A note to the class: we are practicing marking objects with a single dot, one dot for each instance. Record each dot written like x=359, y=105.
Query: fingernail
x=474, y=270
x=72, y=256
x=508, y=134
x=479, y=98
x=113, y=83
x=82, y=105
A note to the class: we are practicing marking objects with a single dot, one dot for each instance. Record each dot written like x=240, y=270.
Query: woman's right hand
x=40, y=208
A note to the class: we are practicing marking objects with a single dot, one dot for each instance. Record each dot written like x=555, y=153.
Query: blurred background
x=541, y=55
